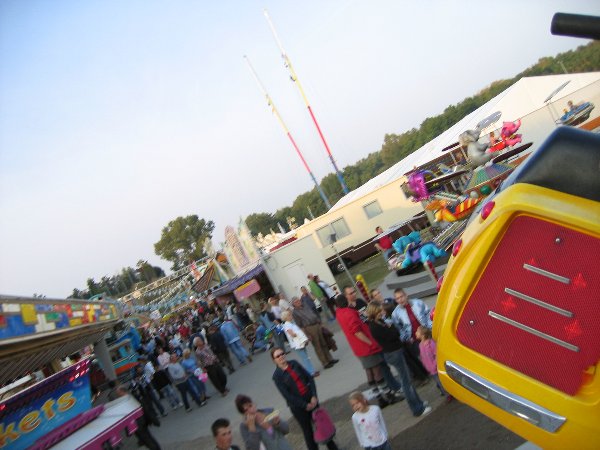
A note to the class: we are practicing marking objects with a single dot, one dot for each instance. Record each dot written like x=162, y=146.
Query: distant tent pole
x=295, y=79
x=287, y=132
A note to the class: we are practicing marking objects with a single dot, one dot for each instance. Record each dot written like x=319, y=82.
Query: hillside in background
x=395, y=147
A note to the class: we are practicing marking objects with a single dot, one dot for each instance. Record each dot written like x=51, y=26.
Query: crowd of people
x=195, y=347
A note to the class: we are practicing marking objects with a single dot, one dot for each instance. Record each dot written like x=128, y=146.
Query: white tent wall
x=521, y=100
x=524, y=99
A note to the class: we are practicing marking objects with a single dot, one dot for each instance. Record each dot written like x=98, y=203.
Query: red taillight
x=456, y=247
x=487, y=210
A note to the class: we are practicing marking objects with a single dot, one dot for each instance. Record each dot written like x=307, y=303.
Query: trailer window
x=339, y=227
x=372, y=209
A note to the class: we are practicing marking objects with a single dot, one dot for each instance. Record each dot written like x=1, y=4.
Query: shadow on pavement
x=456, y=426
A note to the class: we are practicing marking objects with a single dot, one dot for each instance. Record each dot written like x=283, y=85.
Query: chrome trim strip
x=540, y=303
x=533, y=331
x=504, y=399
x=545, y=273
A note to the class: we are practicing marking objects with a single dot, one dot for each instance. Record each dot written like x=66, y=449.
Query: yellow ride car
x=517, y=321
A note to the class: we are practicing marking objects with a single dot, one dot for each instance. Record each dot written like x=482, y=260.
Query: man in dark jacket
x=148, y=418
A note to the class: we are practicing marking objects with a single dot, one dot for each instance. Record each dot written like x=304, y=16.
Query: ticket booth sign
x=45, y=406
x=247, y=289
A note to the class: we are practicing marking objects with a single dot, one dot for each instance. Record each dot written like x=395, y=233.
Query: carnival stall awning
x=203, y=283
x=236, y=282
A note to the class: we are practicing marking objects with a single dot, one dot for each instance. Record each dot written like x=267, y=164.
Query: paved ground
x=449, y=426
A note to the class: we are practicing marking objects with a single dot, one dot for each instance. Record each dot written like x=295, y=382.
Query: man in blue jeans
x=233, y=339
x=393, y=353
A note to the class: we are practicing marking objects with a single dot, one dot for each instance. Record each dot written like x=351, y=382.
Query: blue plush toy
x=422, y=253
x=402, y=242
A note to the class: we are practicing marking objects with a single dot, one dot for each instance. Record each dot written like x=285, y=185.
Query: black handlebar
x=576, y=25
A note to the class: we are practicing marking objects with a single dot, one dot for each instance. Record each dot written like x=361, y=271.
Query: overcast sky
x=118, y=116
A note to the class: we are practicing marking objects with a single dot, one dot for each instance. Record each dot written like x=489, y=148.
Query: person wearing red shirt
x=184, y=331
x=361, y=341
x=384, y=244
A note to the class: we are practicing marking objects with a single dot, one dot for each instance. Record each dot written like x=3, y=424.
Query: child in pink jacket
x=428, y=353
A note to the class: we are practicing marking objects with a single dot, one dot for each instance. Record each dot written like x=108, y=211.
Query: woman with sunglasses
x=298, y=388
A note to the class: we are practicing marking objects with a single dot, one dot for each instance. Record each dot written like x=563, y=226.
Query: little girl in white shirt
x=368, y=423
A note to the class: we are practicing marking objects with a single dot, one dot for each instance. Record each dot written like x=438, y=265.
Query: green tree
x=106, y=285
x=128, y=278
x=145, y=271
x=181, y=240
x=261, y=223
x=77, y=294
x=158, y=272
x=333, y=190
x=122, y=283
x=372, y=165
x=93, y=287
x=300, y=208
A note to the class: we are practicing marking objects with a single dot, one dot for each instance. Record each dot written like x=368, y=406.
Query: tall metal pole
x=295, y=79
x=287, y=132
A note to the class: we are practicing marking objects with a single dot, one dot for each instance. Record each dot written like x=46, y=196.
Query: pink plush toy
x=508, y=133
x=416, y=183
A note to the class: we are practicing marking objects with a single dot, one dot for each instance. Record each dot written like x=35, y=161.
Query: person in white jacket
x=298, y=341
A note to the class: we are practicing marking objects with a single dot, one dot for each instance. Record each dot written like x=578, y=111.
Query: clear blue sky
x=118, y=116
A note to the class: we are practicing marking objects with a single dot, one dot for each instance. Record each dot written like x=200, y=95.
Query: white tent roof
x=522, y=98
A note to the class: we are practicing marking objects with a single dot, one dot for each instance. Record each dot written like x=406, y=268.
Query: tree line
x=395, y=147
x=182, y=239
x=118, y=285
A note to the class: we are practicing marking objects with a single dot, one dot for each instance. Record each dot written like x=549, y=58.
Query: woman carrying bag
x=298, y=388
x=210, y=363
